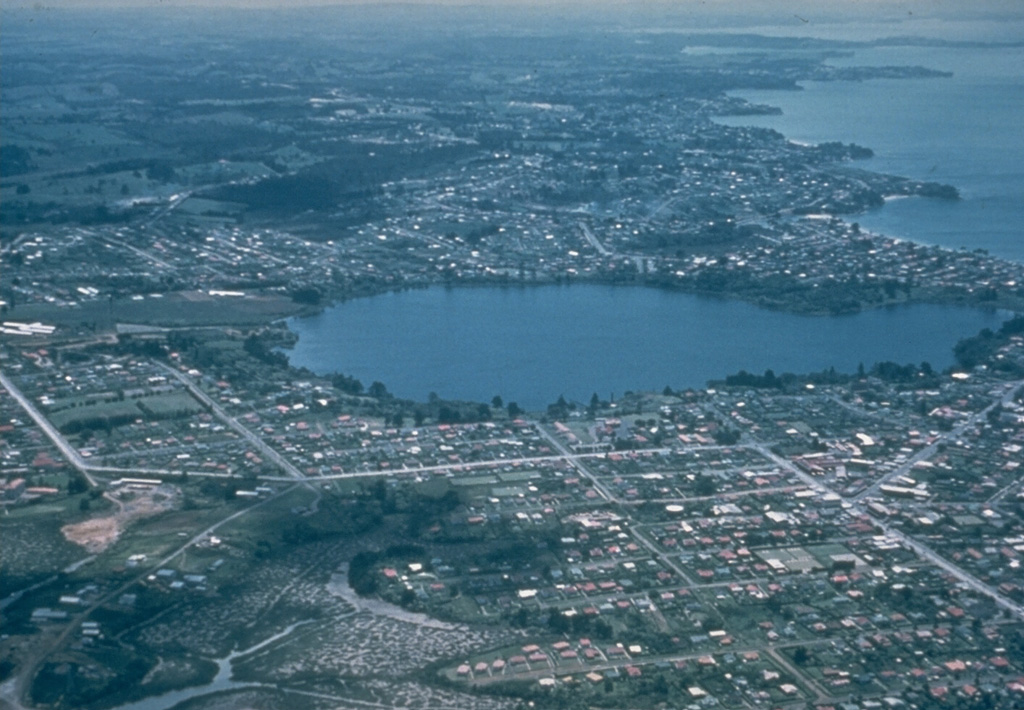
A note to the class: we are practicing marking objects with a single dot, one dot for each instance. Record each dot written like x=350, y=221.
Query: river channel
x=221, y=682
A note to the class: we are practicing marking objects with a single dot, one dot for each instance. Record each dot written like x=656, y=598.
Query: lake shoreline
x=589, y=338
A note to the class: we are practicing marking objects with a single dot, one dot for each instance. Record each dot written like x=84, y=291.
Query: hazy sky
x=816, y=18
x=806, y=9
x=923, y=6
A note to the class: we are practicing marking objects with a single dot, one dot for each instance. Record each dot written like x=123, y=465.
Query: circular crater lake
x=532, y=344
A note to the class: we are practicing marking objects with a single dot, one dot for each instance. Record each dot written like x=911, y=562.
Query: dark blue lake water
x=530, y=345
x=966, y=131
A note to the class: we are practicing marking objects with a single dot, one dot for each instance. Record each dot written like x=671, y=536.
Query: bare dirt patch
x=94, y=535
x=97, y=534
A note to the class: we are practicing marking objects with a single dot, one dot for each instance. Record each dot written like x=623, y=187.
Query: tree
x=558, y=622
x=448, y=415
x=361, y=575
x=602, y=629
x=706, y=485
x=378, y=489
x=726, y=437
x=307, y=295
x=497, y=402
x=378, y=390
x=161, y=172
x=77, y=485
x=514, y=410
x=347, y=384
x=560, y=409
x=521, y=618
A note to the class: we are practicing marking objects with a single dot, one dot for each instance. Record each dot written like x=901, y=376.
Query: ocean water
x=530, y=345
x=966, y=131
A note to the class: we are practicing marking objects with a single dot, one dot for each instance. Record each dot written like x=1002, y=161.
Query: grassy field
x=201, y=206
x=103, y=410
x=71, y=411
x=170, y=404
x=265, y=521
x=182, y=309
x=33, y=547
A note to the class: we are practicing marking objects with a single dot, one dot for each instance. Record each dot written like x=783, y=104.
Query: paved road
x=574, y=459
x=13, y=690
x=729, y=495
x=1002, y=493
x=961, y=575
x=78, y=461
x=922, y=550
x=644, y=660
x=594, y=241
x=164, y=210
x=811, y=684
x=611, y=497
x=138, y=252
x=852, y=408
x=919, y=548
x=245, y=433
x=88, y=469
x=69, y=452
x=928, y=451
x=492, y=463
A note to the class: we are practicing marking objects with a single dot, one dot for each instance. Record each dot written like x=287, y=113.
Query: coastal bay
x=963, y=131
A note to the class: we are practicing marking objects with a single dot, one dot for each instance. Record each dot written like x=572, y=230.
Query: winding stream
x=221, y=682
